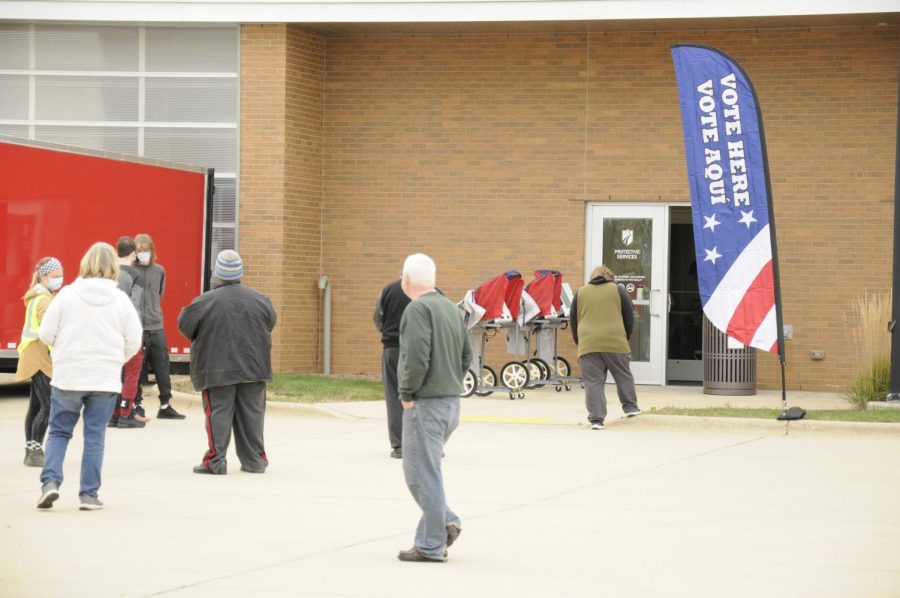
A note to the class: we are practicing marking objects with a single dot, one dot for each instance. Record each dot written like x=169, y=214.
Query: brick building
x=503, y=145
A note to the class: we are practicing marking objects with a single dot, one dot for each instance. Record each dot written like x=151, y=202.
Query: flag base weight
x=792, y=414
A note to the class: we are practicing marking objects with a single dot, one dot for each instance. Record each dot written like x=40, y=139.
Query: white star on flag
x=711, y=222
x=747, y=218
x=711, y=255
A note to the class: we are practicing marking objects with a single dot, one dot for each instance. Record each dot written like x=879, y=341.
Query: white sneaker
x=597, y=426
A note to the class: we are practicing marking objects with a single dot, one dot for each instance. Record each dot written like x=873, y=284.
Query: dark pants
x=391, y=395
x=38, y=415
x=156, y=356
x=593, y=372
x=243, y=408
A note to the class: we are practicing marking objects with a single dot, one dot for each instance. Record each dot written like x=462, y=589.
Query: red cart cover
x=513, y=296
x=490, y=295
x=546, y=290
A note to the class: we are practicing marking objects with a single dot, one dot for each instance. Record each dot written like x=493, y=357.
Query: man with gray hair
x=230, y=328
x=434, y=356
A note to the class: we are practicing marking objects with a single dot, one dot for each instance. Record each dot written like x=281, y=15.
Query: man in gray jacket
x=230, y=328
x=434, y=356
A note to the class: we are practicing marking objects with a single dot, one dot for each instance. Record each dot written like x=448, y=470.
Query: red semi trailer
x=58, y=200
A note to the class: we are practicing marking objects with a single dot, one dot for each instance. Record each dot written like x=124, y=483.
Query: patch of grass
x=307, y=388
x=888, y=416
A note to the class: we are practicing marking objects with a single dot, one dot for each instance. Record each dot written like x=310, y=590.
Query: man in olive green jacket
x=602, y=318
x=434, y=357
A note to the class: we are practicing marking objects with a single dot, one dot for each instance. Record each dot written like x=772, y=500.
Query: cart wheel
x=514, y=375
x=559, y=388
x=563, y=368
x=488, y=380
x=521, y=395
x=568, y=388
x=468, y=384
x=542, y=365
x=537, y=372
x=512, y=396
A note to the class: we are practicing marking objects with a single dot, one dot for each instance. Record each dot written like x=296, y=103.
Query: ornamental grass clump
x=872, y=349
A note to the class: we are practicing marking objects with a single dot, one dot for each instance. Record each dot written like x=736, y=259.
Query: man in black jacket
x=230, y=328
x=389, y=307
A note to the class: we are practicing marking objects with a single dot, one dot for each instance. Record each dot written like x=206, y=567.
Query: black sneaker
x=139, y=410
x=130, y=422
x=113, y=422
x=397, y=453
x=168, y=412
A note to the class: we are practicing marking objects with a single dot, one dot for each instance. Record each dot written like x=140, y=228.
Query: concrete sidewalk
x=546, y=406
x=548, y=510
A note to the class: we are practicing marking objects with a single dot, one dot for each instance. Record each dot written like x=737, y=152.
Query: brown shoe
x=414, y=556
x=452, y=534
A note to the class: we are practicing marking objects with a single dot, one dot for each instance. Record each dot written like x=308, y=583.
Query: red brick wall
x=483, y=150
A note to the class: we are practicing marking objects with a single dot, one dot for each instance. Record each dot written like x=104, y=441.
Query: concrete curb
x=769, y=427
x=190, y=400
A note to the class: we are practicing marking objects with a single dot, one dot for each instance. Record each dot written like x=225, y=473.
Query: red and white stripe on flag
x=743, y=303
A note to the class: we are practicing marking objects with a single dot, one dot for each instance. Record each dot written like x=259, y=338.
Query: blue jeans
x=426, y=428
x=65, y=409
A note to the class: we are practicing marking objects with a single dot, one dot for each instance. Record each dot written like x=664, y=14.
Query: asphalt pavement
x=651, y=506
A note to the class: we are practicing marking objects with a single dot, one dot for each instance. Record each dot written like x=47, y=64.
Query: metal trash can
x=726, y=371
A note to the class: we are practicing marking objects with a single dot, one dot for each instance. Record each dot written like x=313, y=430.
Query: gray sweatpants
x=426, y=428
x=242, y=407
x=391, y=395
x=593, y=372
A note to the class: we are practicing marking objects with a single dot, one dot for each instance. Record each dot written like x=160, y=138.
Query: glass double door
x=631, y=240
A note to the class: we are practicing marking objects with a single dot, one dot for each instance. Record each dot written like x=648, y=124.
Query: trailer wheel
x=488, y=380
x=563, y=369
x=468, y=384
x=514, y=375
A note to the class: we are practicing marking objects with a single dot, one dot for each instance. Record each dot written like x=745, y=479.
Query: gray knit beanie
x=229, y=265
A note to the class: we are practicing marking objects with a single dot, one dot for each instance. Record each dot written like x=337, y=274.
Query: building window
x=169, y=93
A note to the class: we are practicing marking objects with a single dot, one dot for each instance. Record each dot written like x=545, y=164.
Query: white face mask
x=55, y=283
x=143, y=257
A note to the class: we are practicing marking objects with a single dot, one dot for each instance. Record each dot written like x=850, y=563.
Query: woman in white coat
x=93, y=329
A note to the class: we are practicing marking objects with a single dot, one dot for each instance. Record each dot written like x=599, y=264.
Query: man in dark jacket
x=230, y=328
x=602, y=318
x=388, y=310
x=434, y=356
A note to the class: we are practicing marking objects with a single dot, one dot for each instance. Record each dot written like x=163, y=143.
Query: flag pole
x=779, y=319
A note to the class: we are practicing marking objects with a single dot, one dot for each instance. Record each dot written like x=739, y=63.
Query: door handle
x=655, y=315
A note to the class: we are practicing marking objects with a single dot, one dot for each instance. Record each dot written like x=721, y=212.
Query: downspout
x=325, y=285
